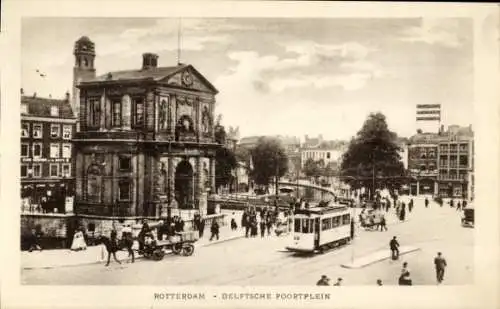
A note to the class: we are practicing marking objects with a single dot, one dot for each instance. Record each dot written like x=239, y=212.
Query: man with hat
x=323, y=281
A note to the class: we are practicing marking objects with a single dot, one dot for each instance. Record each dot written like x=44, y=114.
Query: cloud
x=348, y=82
x=444, y=32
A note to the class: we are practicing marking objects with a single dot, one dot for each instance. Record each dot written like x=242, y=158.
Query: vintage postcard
x=250, y=154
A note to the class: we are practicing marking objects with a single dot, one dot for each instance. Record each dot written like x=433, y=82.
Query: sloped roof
x=40, y=107
x=156, y=74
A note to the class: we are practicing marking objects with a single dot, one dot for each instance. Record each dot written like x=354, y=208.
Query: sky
x=280, y=76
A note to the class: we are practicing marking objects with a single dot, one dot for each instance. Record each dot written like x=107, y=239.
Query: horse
x=113, y=246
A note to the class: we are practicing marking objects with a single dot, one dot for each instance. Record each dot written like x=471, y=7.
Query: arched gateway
x=184, y=185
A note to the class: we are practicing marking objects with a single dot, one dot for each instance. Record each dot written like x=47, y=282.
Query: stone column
x=102, y=113
x=212, y=175
x=200, y=186
x=172, y=104
x=418, y=187
x=171, y=183
x=436, y=187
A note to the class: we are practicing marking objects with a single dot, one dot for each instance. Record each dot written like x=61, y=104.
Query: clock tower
x=83, y=70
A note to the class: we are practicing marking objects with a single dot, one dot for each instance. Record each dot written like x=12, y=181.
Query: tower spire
x=179, y=42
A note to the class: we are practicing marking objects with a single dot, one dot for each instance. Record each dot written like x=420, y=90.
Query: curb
x=140, y=257
x=354, y=266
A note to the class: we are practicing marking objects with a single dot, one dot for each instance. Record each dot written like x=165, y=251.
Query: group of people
x=251, y=222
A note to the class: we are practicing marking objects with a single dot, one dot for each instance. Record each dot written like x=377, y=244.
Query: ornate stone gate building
x=145, y=144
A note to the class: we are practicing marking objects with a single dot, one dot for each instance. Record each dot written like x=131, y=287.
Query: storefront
x=45, y=196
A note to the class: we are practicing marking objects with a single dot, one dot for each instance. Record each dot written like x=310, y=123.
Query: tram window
x=346, y=220
x=326, y=224
x=336, y=222
x=305, y=226
x=297, y=226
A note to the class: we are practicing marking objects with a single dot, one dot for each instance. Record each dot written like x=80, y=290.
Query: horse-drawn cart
x=180, y=244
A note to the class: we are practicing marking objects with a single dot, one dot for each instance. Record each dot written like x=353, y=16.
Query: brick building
x=146, y=142
x=443, y=163
x=47, y=168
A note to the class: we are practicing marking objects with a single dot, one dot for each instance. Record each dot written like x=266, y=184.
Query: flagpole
x=179, y=42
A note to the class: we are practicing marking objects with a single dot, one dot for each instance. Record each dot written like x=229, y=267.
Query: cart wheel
x=188, y=250
x=176, y=248
x=158, y=255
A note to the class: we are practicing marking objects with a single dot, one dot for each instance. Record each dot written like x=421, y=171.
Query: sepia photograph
x=247, y=151
x=239, y=157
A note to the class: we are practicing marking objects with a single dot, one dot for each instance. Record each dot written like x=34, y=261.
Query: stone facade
x=146, y=144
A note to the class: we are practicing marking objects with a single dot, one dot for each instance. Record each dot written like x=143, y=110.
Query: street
x=258, y=261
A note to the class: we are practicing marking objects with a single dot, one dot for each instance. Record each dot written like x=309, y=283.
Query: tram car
x=320, y=228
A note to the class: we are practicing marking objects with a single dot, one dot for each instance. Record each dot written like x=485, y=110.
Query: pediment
x=190, y=78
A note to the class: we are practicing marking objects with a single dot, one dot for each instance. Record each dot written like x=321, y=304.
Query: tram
x=320, y=228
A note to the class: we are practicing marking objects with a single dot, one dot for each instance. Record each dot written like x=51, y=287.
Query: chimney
x=149, y=61
x=22, y=91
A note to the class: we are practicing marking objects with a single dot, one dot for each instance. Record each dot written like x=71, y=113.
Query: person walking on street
x=426, y=203
x=394, y=246
x=440, y=265
x=379, y=282
x=215, y=230
x=458, y=206
x=402, y=213
x=451, y=203
x=323, y=281
x=112, y=247
x=201, y=228
x=262, y=227
x=234, y=226
x=410, y=205
x=383, y=224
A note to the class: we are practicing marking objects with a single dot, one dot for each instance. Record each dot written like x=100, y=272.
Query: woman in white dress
x=78, y=242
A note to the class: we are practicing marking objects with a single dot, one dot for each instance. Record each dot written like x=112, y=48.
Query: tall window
x=25, y=150
x=24, y=170
x=67, y=130
x=37, y=150
x=94, y=184
x=25, y=129
x=117, y=113
x=37, y=131
x=54, y=150
x=66, y=151
x=138, y=112
x=94, y=112
x=124, y=190
x=54, y=170
x=66, y=170
x=54, y=130
x=37, y=170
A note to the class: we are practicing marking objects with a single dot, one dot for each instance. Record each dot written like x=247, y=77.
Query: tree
x=314, y=168
x=225, y=160
x=373, y=154
x=269, y=160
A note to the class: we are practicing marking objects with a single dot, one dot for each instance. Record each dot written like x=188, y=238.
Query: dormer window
x=54, y=111
x=24, y=109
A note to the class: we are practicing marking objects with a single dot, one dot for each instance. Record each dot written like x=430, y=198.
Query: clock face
x=187, y=79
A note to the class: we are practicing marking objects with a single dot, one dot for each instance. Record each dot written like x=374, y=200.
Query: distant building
x=443, y=163
x=318, y=149
x=47, y=167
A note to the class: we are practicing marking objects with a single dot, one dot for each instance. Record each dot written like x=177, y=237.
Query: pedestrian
x=410, y=205
x=323, y=281
x=34, y=240
x=383, y=224
x=458, y=206
x=339, y=282
x=144, y=230
x=394, y=246
x=269, y=224
x=214, y=229
x=78, y=241
x=201, y=229
x=440, y=265
x=262, y=227
x=379, y=282
x=405, y=269
x=464, y=204
x=426, y=203
x=402, y=213
x=234, y=226
x=451, y=203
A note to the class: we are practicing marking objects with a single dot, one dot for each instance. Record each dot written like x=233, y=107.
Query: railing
x=453, y=177
x=108, y=210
